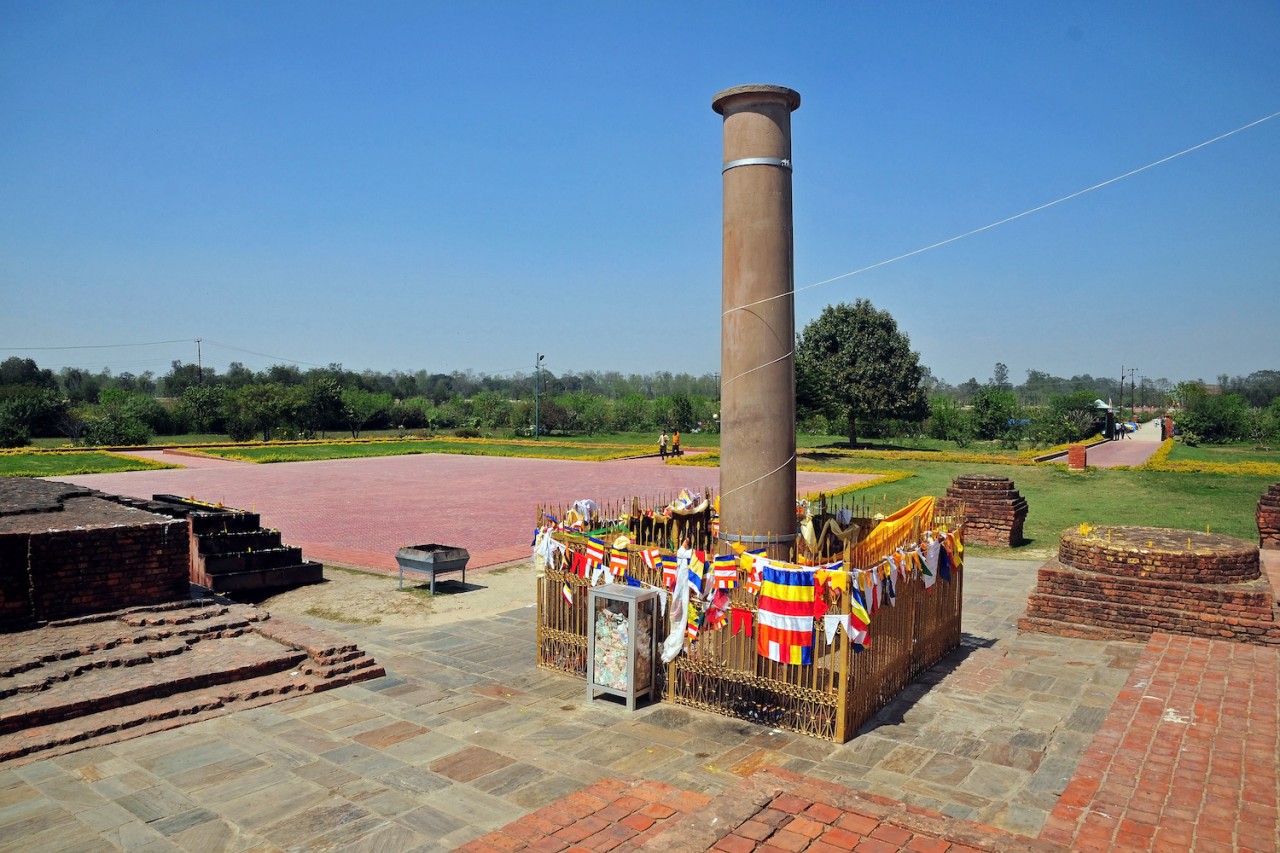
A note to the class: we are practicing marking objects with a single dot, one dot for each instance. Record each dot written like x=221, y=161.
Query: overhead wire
x=949, y=240
x=1012, y=218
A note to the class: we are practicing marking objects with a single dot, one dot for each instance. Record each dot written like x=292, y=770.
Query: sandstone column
x=757, y=328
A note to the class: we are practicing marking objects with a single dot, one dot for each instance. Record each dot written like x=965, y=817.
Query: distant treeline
x=283, y=401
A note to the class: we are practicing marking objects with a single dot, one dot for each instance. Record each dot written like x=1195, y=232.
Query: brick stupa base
x=994, y=511
x=1269, y=518
x=1127, y=582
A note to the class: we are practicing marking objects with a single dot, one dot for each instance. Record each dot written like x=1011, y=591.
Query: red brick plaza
x=358, y=512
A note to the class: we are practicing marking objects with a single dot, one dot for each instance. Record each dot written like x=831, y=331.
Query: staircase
x=232, y=552
x=107, y=677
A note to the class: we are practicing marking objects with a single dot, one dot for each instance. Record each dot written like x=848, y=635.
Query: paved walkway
x=1166, y=746
x=1134, y=450
x=359, y=512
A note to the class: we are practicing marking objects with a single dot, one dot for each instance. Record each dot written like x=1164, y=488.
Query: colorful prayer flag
x=725, y=571
x=785, y=617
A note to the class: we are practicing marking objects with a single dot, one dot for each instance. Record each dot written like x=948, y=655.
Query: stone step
x=238, y=543
x=43, y=676
x=1066, y=615
x=152, y=715
x=1247, y=599
x=251, y=561
x=69, y=639
x=298, y=574
x=204, y=664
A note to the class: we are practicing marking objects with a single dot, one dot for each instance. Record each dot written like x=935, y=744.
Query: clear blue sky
x=453, y=186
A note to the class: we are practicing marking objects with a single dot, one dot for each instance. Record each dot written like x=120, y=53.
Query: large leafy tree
x=854, y=362
x=359, y=407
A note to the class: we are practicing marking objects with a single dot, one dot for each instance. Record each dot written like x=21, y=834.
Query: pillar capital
x=737, y=97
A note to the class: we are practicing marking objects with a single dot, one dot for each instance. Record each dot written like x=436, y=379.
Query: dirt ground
x=369, y=598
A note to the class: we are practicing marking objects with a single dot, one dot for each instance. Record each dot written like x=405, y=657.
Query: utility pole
x=199, y=364
x=537, y=380
x=1133, y=393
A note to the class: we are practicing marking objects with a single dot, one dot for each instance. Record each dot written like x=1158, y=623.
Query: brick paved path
x=1187, y=758
x=358, y=512
x=1134, y=450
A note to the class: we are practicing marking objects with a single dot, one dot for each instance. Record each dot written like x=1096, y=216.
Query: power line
x=1015, y=216
x=97, y=346
x=277, y=358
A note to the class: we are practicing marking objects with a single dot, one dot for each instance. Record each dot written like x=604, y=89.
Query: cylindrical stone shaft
x=757, y=331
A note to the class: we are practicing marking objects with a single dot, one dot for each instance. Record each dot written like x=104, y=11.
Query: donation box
x=621, y=641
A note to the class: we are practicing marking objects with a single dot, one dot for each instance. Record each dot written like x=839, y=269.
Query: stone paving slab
x=359, y=512
x=465, y=735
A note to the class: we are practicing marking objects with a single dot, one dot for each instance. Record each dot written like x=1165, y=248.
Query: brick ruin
x=68, y=551
x=994, y=511
x=1127, y=582
x=106, y=637
x=232, y=552
x=1269, y=519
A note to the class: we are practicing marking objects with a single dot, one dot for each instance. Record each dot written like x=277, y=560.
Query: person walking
x=675, y=443
x=662, y=445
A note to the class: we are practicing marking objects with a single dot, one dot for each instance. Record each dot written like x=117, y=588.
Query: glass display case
x=622, y=642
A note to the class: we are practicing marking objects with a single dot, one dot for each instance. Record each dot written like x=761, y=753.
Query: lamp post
x=537, y=380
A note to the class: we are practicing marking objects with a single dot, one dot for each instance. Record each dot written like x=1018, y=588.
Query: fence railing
x=721, y=671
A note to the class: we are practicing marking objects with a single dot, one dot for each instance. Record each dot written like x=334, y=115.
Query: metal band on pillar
x=761, y=539
x=756, y=161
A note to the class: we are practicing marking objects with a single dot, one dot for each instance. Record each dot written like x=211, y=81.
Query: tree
x=1214, y=419
x=1066, y=417
x=1000, y=377
x=490, y=408
x=201, y=407
x=632, y=413
x=993, y=412
x=360, y=407
x=682, y=412
x=181, y=377
x=862, y=366
x=24, y=371
x=321, y=405
x=120, y=418
x=947, y=421
x=258, y=408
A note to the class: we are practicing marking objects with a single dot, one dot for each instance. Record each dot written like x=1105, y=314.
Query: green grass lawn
x=1243, y=452
x=66, y=464
x=1057, y=499
x=473, y=447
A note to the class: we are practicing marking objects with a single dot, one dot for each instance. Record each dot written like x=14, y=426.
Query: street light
x=537, y=380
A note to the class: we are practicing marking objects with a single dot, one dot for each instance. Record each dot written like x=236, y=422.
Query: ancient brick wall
x=76, y=572
x=1127, y=582
x=994, y=511
x=15, y=601
x=1269, y=518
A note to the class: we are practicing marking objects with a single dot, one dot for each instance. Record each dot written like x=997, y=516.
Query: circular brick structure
x=1158, y=553
x=1269, y=518
x=994, y=510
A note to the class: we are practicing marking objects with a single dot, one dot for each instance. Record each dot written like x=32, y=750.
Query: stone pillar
x=1077, y=457
x=757, y=327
